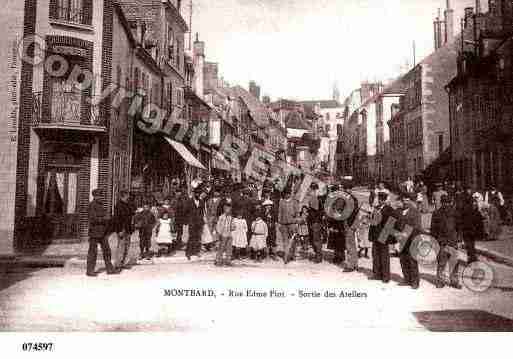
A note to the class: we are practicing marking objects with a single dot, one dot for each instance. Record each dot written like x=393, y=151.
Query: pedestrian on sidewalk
x=98, y=221
x=166, y=234
x=270, y=220
x=380, y=250
x=144, y=223
x=239, y=234
x=224, y=227
x=351, y=263
x=259, y=233
x=362, y=230
x=407, y=255
x=121, y=225
x=472, y=229
x=194, y=216
x=443, y=228
x=180, y=217
x=288, y=220
x=437, y=196
x=314, y=221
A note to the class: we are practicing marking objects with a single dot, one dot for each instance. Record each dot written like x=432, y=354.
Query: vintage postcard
x=254, y=167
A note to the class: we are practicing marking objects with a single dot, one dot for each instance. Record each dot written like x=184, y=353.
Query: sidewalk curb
x=33, y=261
x=494, y=256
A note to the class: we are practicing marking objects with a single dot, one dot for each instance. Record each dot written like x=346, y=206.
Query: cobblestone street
x=65, y=300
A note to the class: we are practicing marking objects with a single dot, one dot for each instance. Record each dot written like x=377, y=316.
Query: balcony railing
x=68, y=109
x=74, y=14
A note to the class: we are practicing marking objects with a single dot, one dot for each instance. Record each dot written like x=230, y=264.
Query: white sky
x=297, y=48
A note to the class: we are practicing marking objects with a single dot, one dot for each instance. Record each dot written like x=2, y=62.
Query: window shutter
x=87, y=8
x=54, y=5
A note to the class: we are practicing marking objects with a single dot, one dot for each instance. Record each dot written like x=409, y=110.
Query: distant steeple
x=336, y=92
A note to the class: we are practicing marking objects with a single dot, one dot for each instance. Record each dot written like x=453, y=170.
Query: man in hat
x=380, y=252
x=195, y=219
x=121, y=223
x=411, y=217
x=287, y=218
x=98, y=220
x=269, y=217
x=351, y=264
x=314, y=222
x=443, y=228
x=437, y=196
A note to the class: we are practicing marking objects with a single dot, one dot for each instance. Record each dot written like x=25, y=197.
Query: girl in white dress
x=259, y=233
x=166, y=233
x=239, y=235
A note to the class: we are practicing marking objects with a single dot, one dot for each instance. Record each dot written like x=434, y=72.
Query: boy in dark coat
x=443, y=228
x=98, y=220
x=144, y=222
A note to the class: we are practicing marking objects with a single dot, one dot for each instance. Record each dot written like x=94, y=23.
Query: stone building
x=359, y=133
x=387, y=103
x=62, y=132
x=480, y=99
x=423, y=119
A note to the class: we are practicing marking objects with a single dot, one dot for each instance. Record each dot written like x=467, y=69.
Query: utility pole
x=414, y=54
x=190, y=26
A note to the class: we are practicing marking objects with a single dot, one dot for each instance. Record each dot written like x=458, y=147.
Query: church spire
x=336, y=92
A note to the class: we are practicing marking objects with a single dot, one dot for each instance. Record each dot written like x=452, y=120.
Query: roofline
x=124, y=22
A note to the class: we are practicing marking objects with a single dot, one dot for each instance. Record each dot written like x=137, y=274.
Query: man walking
x=194, y=214
x=443, y=228
x=97, y=236
x=380, y=252
x=121, y=223
x=409, y=265
x=287, y=218
x=314, y=221
x=350, y=236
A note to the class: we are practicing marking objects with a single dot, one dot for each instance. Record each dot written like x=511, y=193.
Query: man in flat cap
x=98, y=220
x=380, y=252
x=410, y=216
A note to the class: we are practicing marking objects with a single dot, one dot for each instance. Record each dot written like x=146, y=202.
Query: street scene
x=155, y=159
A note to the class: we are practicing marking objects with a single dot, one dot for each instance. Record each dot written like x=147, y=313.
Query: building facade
x=480, y=100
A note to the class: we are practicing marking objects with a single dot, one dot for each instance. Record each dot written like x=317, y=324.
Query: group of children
x=232, y=230
x=148, y=219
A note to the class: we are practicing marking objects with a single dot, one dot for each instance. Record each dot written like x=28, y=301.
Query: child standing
x=239, y=234
x=166, y=233
x=270, y=221
x=224, y=229
x=362, y=231
x=144, y=222
x=303, y=229
x=259, y=233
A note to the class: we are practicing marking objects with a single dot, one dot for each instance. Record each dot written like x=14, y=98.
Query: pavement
x=251, y=298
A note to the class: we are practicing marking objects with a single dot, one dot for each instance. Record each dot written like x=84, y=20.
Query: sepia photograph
x=253, y=168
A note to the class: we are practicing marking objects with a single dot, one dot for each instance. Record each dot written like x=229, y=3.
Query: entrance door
x=60, y=202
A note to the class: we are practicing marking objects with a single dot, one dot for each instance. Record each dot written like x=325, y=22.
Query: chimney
x=449, y=22
x=394, y=110
x=199, y=66
x=438, y=32
x=199, y=47
x=469, y=13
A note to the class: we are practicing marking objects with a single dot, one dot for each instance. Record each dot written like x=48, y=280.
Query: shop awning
x=186, y=154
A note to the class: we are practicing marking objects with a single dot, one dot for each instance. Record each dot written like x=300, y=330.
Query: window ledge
x=74, y=25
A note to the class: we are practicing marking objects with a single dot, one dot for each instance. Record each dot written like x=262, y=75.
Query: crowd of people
x=267, y=221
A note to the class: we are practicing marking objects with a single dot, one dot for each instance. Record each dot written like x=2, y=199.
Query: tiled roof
x=396, y=87
x=258, y=110
x=324, y=104
x=295, y=121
